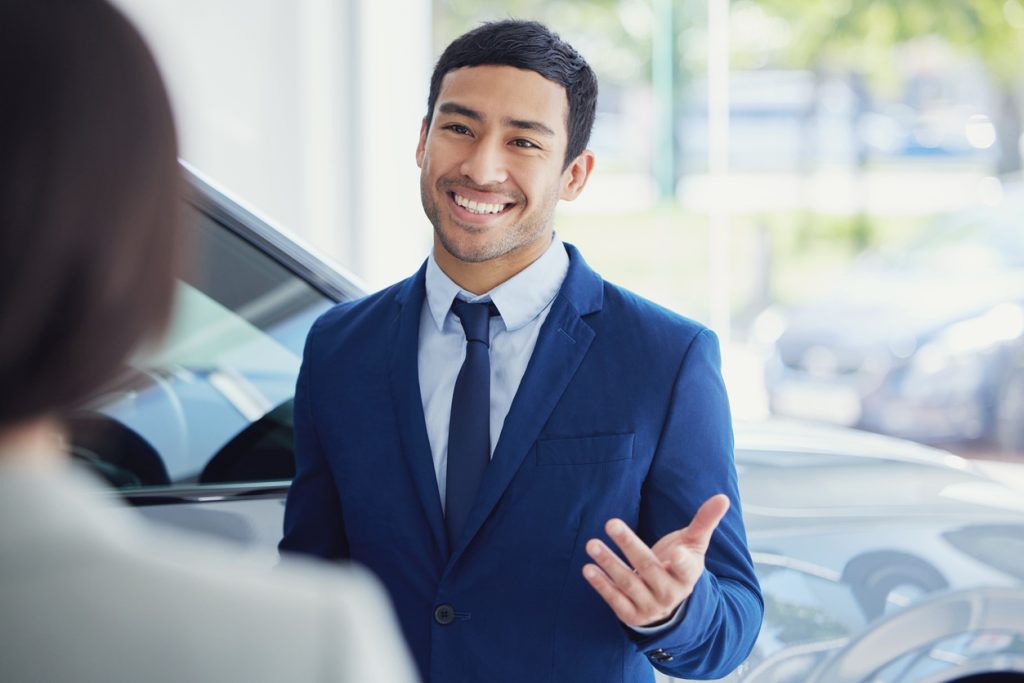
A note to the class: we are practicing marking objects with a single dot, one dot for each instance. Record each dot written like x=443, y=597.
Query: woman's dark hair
x=89, y=185
x=532, y=46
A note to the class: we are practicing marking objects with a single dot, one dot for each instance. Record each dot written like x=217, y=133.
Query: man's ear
x=422, y=146
x=574, y=178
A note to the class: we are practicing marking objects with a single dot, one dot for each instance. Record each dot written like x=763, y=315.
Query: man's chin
x=472, y=244
x=471, y=253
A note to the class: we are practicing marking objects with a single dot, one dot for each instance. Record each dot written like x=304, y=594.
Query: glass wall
x=834, y=189
x=849, y=223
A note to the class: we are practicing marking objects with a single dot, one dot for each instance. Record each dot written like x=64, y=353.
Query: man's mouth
x=478, y=208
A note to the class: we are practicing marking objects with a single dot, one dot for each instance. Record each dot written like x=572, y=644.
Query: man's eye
x=457, y=128
x=525, y=144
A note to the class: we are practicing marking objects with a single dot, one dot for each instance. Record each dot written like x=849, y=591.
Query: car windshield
x=228, y=362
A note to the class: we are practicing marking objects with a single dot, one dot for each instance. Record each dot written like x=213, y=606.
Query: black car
x=878, y=557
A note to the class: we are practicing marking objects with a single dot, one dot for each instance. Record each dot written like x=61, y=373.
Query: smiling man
x=536, y=462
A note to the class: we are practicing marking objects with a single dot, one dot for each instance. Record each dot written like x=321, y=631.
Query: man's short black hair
x=532, y=46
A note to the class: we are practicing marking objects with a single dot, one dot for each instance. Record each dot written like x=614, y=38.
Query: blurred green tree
x=863, y=33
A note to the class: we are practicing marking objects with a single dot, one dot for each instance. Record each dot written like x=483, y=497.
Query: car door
x=197, y=432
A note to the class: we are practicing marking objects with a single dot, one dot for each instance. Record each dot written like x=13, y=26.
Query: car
x=198, y=431
x=857, y=538
x=924, y=342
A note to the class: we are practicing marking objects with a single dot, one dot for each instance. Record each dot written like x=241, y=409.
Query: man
x=468, y=433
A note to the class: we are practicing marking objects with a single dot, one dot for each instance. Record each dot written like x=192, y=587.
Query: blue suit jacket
x=621, y=413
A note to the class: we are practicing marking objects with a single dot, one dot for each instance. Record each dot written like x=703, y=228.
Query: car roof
x=306, y=261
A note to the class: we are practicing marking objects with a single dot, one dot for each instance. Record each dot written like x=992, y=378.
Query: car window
x=220, y=385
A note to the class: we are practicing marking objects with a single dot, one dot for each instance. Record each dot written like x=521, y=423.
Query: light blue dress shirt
x=524, y=302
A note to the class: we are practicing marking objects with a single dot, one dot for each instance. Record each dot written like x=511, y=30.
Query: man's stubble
x=520, y=235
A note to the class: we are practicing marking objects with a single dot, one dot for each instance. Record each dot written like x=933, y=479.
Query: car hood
x=793, y=474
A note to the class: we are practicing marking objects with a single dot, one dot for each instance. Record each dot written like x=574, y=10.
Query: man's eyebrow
x=509, y=122
x=454, y=108
x=528, y=125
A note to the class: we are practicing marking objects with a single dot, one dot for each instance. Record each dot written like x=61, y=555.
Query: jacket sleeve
x=313, y=518
x=694, y=461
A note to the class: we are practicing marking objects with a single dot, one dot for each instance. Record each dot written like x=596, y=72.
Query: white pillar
x=720, y=278
x=396, y=60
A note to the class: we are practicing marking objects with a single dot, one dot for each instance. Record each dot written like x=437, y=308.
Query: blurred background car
x=848, y=531
x=924, y=342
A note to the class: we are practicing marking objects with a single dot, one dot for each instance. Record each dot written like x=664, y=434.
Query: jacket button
x=660, y=655
x=444, y=614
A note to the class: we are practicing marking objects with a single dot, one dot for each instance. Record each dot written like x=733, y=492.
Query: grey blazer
x=88, y=594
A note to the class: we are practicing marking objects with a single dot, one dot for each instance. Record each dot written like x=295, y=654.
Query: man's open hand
x=664, y=575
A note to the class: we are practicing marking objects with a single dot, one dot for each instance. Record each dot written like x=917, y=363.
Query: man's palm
x=657, y=580
x=683, y=550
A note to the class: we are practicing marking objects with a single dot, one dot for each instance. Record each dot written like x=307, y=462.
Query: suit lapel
x=403, y=376
x=561, y=346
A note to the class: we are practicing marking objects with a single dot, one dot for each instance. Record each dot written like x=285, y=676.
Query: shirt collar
x=519, y=299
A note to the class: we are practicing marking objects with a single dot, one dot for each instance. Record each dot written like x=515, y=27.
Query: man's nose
x=485, y=164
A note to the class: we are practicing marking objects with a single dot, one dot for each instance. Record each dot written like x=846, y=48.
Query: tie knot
x=475, y=319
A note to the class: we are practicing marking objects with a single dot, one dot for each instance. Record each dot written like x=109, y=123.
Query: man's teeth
x=477, y=207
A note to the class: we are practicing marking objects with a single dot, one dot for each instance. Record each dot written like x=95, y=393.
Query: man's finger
x=622, y=575
x=620, y=603
x=706, y=521
x=635, y=550
x=648, y=565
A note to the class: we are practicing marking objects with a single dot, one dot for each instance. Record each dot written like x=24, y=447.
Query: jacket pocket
x=585, y=450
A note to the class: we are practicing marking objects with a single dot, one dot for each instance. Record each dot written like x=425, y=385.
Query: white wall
x=308, y=110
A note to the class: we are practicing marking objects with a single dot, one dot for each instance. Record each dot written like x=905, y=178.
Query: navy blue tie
x=469, y=431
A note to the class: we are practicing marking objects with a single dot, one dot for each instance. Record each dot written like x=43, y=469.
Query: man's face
x=492, y=163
